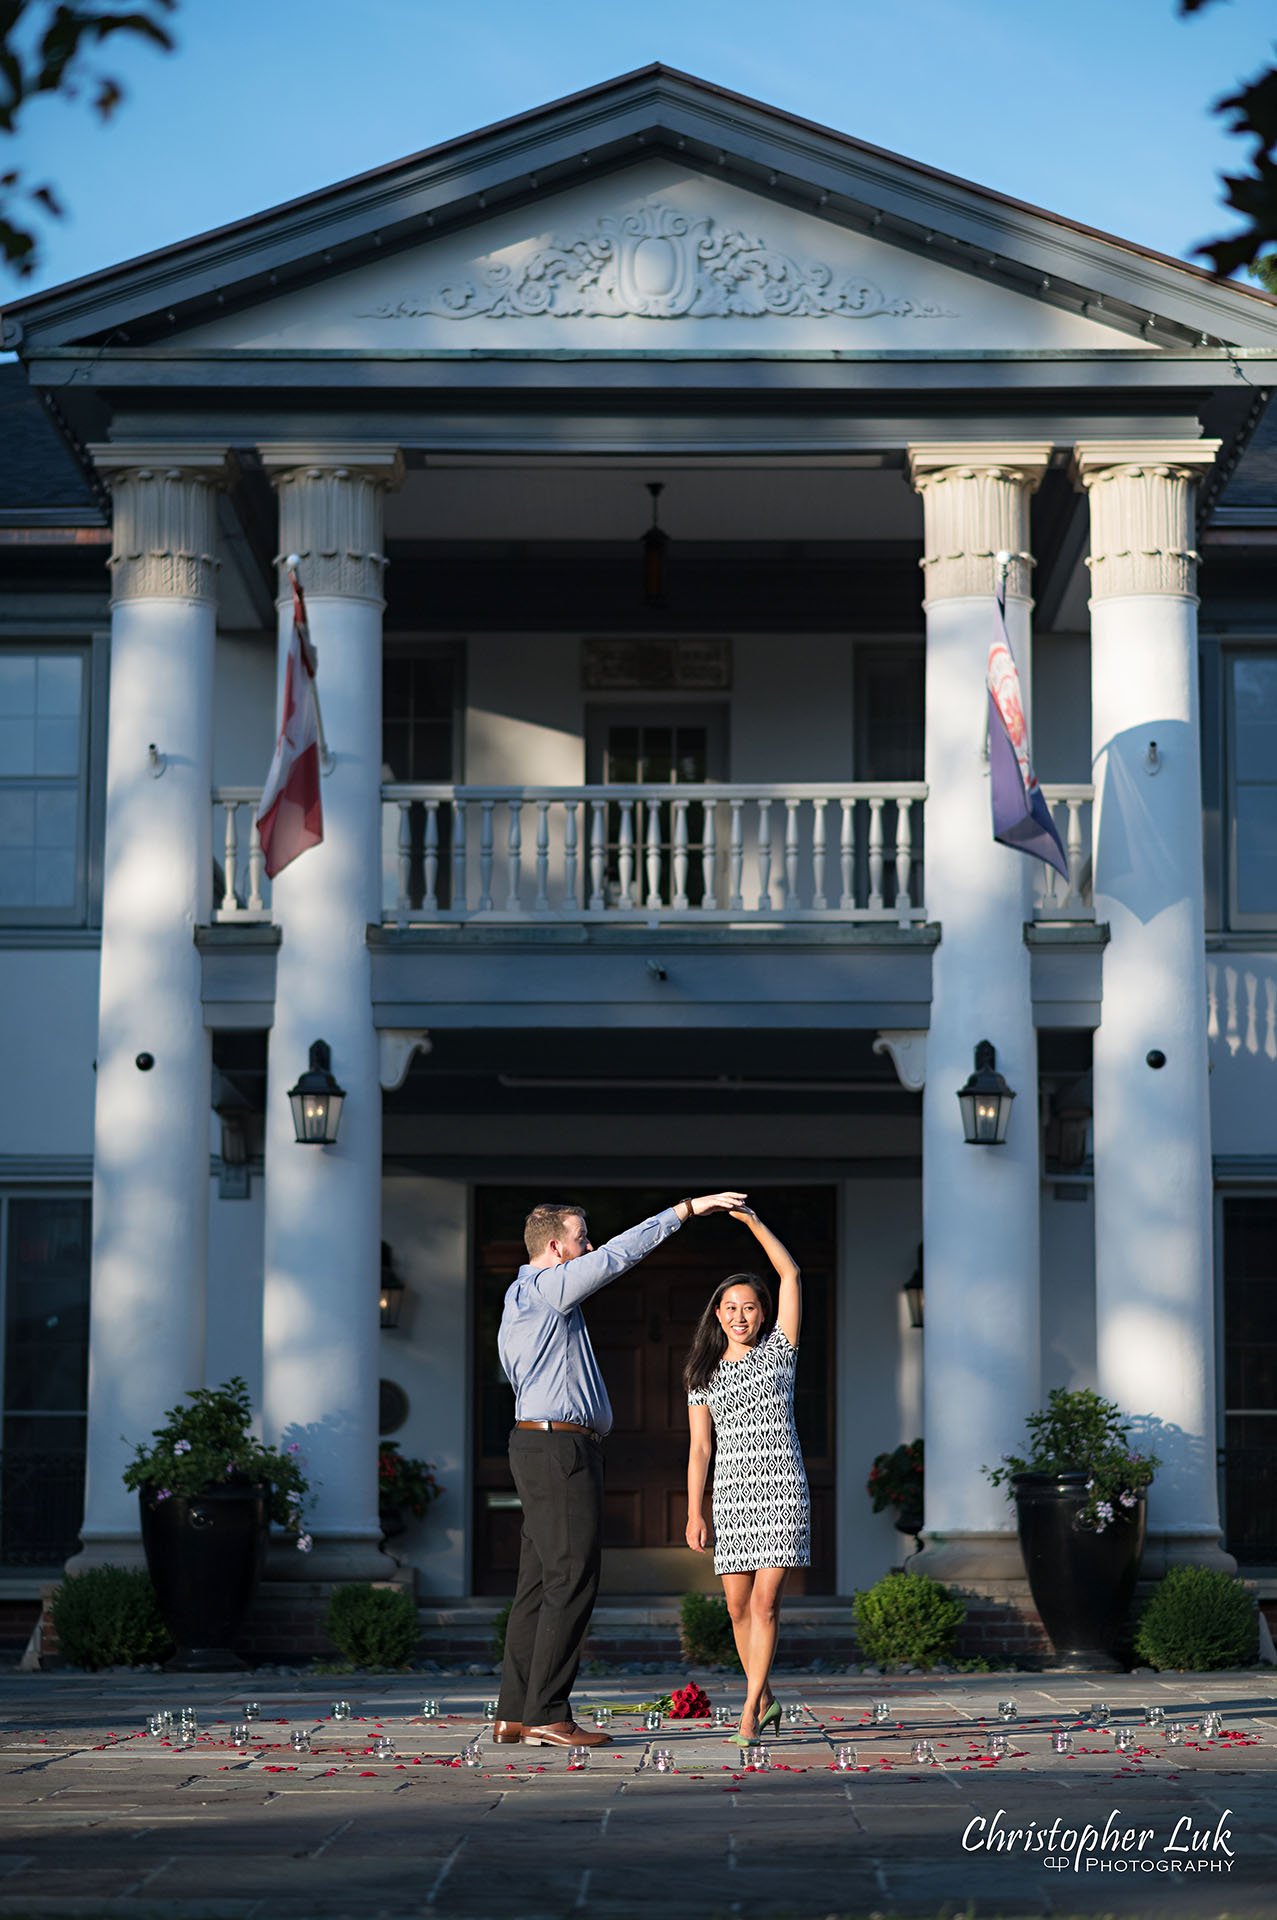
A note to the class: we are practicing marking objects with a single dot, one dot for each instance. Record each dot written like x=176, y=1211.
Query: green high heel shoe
x=771, y=1718
x=744, y=1740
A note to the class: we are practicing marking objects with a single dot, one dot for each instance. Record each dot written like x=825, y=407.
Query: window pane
x=55, y=811
x=58, y=685
x=17, y=879
x=17, y=817
x=47, y=1305
x=1257, y=849
x=54, y=880
x=57, y=746
x=1255, y=718
x=17, y=684
x=621, y=767
x=17, y=746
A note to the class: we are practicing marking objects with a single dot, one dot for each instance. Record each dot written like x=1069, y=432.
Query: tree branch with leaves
x=1253, y=194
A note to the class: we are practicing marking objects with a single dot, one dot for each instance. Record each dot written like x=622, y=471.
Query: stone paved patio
x=96, y=1817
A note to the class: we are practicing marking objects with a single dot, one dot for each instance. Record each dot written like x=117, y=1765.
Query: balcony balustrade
x=797, y=851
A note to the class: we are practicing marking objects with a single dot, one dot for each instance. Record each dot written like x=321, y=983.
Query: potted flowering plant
x=896, y=1480
x=208, y=1491
x=1080, y=1497
x=403, y=1486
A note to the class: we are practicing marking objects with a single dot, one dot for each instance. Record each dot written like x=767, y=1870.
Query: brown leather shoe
x=507, y=1733
x=564, y=1733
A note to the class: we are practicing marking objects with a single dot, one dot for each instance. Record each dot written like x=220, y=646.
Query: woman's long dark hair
x=709, y=1342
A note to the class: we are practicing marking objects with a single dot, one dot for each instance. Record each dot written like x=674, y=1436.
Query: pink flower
x=164, y=1493
x=304, y=1543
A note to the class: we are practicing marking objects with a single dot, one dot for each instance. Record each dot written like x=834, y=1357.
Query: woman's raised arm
x=789, y=1304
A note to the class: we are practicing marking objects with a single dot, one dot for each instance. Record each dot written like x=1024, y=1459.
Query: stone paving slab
x=96, y=1818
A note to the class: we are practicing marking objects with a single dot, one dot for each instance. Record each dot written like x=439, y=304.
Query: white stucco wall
x=48, y=1042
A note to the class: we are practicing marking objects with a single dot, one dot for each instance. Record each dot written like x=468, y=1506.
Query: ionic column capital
x=975, y=500
x=330, y=514
x=1143, y=496
x=164, y=520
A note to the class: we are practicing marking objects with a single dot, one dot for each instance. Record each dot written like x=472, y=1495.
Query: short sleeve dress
x=762, y=1510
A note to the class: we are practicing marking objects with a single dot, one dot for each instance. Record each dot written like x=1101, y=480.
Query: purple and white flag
x=1021, y=817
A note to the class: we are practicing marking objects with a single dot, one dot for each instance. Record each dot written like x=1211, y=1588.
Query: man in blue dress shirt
x=562, y=1414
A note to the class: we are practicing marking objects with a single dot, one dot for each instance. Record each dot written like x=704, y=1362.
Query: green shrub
x=373, y=1626
x=499, y=1626
x=108, y=1617
x=1200, y=1618
x=705, y=1632
x=907, y=1620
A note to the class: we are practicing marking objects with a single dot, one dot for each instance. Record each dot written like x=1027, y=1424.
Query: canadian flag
x=290, y=817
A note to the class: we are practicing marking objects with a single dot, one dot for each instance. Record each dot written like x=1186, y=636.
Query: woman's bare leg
x=738, y=1591
x=764, y=1630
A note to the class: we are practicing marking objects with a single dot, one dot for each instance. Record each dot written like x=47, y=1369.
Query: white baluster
x=764, y=856
x=709, y=855
x=1073, y=852
x=485, y=856
x=230, y=860
x=542, y=902
x=459, y=853
x=598, y=853
x=256, y=864
x=405, y=861
x=791, y=855
x=515, y=851
x=654, y=854
x=430, y=903
x=569, y=855
x=847, y=853
x=736, y=859
x=818, y=900
x=680, y=856
x=625, y=856
x=904, y=859
x=875, y=855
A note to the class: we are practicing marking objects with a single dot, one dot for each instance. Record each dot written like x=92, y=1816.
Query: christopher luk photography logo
x=1114, y=1848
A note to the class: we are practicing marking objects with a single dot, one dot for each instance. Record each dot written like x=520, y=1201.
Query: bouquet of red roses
x=689, y=1703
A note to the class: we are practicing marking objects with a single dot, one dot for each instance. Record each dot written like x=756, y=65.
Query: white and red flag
x=290, y=817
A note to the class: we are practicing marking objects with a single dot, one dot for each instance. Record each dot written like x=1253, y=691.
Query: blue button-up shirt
x=543, y=1343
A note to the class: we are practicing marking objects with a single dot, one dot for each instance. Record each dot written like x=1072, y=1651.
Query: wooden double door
x=641, y=1327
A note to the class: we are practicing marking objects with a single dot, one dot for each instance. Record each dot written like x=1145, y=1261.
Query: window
x=655, y=746
x=1250, y=1379
x=44, y=1248
x=1251, y=721
x=420, y=735
x=43, y=756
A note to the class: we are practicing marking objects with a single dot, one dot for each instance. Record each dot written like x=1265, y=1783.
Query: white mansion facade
x=646, y=864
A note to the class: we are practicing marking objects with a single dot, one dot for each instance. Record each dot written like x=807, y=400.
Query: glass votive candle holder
x=242, y=1733
x=190, y=1717
x=998, y=1745
x=881, y=1712
x=341, y=1709
x=1154, y=1716
x=489, y=1710
x=845, y=1759
x=1211, y=1725
x=1175, y=1731
x=383, y=1747
x=1007, y=1709
x=652, y=1720
x=1061, y=1741
x=758, y=1758
x=793, y=1714
x=724, y=1717
x=471, y=1756
x=1099, y=1713
x=430, y=1709
x=167, y=1718
x=662, y=1759
x=578, y=1757
x=1124, y=1740
x=155, y=1725
x=923, y=1752
x=299, y=1741
x=252, y=1710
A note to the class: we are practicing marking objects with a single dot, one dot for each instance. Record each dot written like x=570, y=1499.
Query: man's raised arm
x=565, y=1286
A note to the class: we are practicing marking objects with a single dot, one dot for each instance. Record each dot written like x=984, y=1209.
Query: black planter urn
x=1082, y=1581
x=204, y=1553
x=908, y=1520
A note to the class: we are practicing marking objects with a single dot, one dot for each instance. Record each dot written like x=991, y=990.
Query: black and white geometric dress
x=762, y=1510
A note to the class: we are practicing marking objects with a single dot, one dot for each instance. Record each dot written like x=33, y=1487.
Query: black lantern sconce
x=912, y=1291
x=655, y=541
x=985, y=1101
x=392, y=1288
x=317, y=1100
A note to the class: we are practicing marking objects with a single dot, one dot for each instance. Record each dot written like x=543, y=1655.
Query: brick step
x=645, y=1628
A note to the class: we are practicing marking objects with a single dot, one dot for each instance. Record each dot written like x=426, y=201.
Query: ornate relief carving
x=657, y=264
x=164, y=525
x=1143, y=516
x=973, y=512
x=330, y=516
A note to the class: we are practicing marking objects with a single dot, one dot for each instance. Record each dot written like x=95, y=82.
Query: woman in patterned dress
x=740, y=1395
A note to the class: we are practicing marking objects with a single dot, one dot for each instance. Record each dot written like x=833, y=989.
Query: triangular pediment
x=656, y=210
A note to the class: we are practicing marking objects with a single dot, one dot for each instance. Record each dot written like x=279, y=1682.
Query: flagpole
x=326, y=761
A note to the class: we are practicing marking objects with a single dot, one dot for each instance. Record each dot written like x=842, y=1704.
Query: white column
x=151, y=1126
x=980, y=1204
x=320, y=1328
x=1154, y=1291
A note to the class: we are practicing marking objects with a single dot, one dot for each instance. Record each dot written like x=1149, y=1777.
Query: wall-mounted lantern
x=392, y=1288
x=317, y=1100
x=985, y=1101
x=912, y=1291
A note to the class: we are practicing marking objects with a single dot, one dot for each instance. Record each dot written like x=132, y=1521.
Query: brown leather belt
x=562, y=1426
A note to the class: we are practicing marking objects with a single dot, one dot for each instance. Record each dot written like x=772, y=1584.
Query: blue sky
x=1098, y=109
